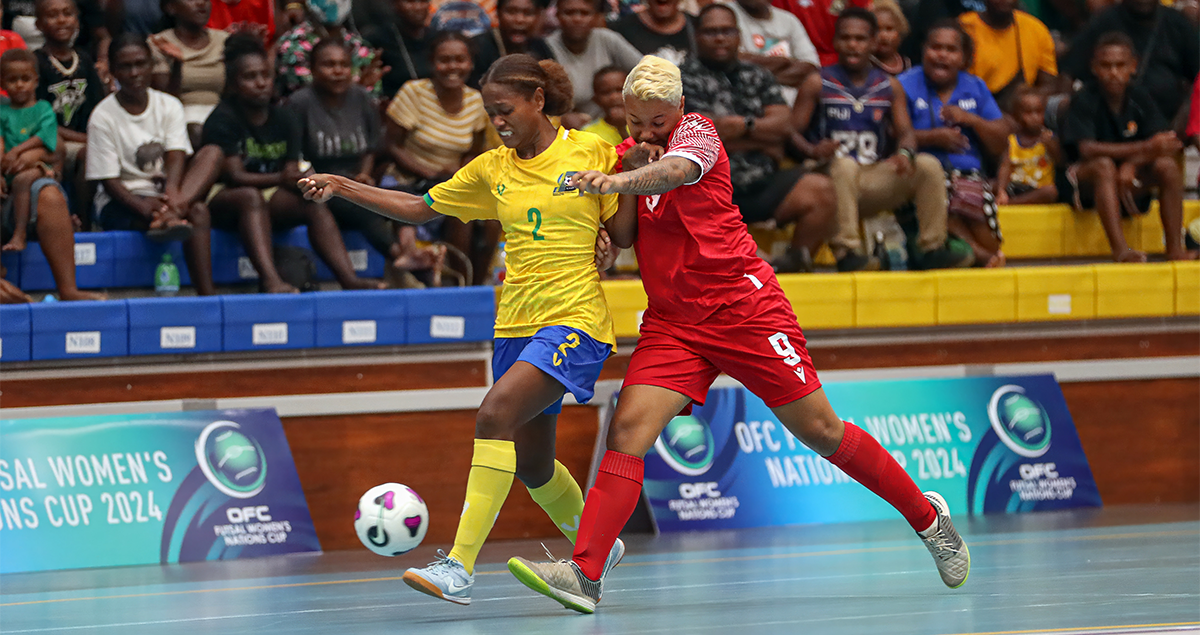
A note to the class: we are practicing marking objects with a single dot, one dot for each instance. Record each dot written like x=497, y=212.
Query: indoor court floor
x=1116, y=570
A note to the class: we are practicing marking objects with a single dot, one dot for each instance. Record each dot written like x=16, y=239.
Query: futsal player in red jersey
x=714, y=306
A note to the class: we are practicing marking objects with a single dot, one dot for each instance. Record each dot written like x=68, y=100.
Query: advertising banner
x=986, y=444
x=148, y=488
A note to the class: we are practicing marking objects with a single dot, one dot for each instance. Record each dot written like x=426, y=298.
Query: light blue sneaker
x=614, y=557
x=445, y=579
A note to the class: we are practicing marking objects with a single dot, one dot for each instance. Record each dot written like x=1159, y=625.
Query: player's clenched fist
x=593, y=182
x=318, y=187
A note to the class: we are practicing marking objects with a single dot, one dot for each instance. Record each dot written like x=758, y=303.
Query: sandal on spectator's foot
x=796, y=260
x=170, y=234
x=854, y=261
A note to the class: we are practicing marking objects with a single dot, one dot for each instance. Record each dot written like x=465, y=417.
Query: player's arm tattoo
x=659, y=177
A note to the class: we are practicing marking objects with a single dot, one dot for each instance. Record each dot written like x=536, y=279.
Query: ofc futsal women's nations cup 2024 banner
x=148, y=488
x=987, y=444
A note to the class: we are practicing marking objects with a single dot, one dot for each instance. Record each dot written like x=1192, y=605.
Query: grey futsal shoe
x=614, y=557
x=445, y=579
x=561, y=581
x=945, y=545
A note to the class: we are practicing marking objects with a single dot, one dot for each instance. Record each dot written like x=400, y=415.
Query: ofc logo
x=231, y=460
x=686, y=444
x=1021, y=423
x=698, y=490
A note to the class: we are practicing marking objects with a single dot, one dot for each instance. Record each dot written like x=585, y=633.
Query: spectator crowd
x=173, y=118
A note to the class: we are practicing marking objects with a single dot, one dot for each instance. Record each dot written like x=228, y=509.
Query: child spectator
x=138, y=149
x=70, y=83
x=1027, y=176
x=261, y=147
x=606, y=88
x=34, y=203
x=28, y=135
x=893, y=28
x=190, y=64
x=8, y=40
x=1123, y=145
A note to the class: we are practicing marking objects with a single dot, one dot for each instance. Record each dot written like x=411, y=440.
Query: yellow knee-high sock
x=562, y=500
x=492, y=467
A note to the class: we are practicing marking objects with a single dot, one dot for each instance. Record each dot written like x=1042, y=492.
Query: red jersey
x=692, y=246
x=819, y=18
x=253, y=16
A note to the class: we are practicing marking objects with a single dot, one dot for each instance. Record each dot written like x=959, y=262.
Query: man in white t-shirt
x=777, y=41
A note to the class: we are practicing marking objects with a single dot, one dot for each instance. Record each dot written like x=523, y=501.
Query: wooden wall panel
x=111, y=385
x=339, y=458
x=1142, y=438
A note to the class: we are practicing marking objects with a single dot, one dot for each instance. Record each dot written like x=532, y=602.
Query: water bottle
x=881, y=252
x=166, y=277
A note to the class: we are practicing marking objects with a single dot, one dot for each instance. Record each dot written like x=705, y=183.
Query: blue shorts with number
x=567, y=354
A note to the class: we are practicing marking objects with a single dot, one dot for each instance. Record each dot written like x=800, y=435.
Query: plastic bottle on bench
x=166, y=277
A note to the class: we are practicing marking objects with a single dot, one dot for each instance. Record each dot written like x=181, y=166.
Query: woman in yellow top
x=553, y=328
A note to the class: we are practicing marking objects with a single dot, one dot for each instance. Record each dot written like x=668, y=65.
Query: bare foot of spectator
x=77, y=294
x=10, y=294
x=16, y=243
x=1182, y=254
x=1130, y=255
x=279, y=287
x=364, y=283
x=996, y=261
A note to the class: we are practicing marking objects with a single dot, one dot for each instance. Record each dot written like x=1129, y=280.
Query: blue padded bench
x=437, y=316
x=264, y=322
x=175, y=325
x=94, y=263
x=64, y=330
x=14, y=332
x=362, y=318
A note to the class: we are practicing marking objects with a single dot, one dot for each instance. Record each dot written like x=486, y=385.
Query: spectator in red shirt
x=818, y=18
x=248, y=16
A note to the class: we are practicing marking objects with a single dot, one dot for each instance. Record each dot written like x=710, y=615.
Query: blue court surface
x=1118, y=570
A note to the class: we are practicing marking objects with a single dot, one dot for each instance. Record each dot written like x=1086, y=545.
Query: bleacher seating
x=251, y=322
x=119, y=259
x=966, y=296
x=1035, y=232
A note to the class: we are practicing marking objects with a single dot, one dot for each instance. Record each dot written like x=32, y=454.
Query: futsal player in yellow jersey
x=553, y=328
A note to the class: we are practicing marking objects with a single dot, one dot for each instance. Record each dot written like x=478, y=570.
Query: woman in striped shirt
x=436, y=126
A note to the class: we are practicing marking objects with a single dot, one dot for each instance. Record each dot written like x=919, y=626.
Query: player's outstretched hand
x=593, y=182
x=318, y=187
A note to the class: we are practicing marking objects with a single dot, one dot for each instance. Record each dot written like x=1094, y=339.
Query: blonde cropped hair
x=654, y=78
x=893, y=9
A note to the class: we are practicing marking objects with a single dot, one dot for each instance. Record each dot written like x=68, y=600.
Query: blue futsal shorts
x=567, y=354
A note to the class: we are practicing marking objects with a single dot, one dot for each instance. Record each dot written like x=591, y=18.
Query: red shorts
x=756, y=341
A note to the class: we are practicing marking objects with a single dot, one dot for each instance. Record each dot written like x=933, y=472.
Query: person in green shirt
x=28, y=139
x=29, y=134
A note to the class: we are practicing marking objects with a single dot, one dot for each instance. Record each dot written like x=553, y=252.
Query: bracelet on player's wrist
x=908, y=154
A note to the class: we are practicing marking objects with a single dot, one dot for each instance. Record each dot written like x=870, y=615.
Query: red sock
x=862, y=458
x=609, y=505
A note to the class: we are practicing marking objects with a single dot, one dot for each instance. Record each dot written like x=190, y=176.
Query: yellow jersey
x=1032, y=167
x=550, y=231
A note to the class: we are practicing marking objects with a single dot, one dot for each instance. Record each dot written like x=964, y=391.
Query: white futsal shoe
x=445, y=579
x=945, y=545
x=563, y=581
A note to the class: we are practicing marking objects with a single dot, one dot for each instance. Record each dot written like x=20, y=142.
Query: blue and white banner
x=987, y=444
x=151, y=488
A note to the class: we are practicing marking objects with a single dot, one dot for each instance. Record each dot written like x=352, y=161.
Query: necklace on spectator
x=66, y=72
